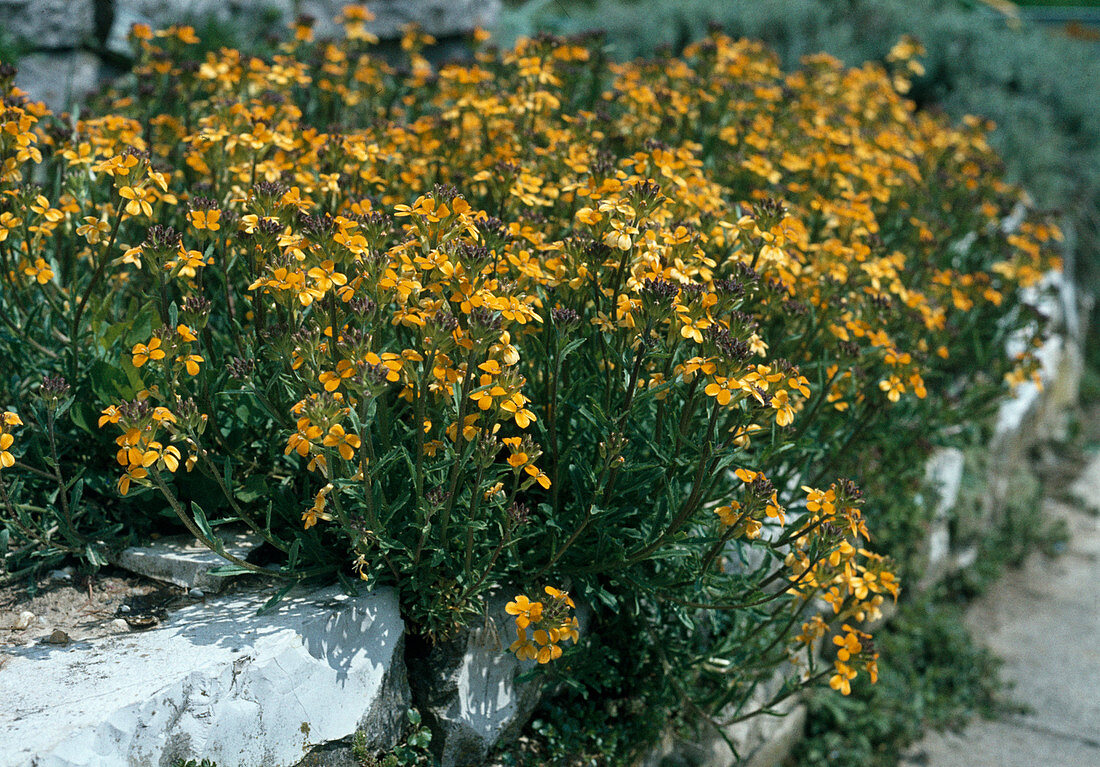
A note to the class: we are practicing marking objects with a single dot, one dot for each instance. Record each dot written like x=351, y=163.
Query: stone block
x=1085, y=490
x=250, y=19
x=779, y=735
x=243, y=19
x=943, y=475
x=762, y=741
x=184, y=561
x=58, y=79
x=466, y=689
x=48, y=24
x=215, y=681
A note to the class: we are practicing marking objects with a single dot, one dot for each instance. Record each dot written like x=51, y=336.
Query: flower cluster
x=550, y=624
x=8, y=420
x=139, y=446
x=529, y=316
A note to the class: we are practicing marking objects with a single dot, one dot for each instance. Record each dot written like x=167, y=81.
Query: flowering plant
x=533, y=319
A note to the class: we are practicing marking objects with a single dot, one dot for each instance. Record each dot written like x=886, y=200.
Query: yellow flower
x=841, y=680
x=728, y=514
x=301, y=440
x=346, y=444
x=186, y=333
x=142, y=353
x=523, y=648
x=164, y=457
x=317, y=510
x=191, y=363
x=137, y=203
x=7, y=419
x=559, y=595
x=205, y=219
x=93, y=229
x=526, y=611
x=133, y=473
x=589, y=216
x=893, y=387
x=332, y=380
x=784, y=413
x=548, y=651
x=41, y=271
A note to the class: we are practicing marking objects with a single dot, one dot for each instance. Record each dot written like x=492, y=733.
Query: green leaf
x=109, y=382
x=77, y=486
x=292, y=555
x=63, y=407
x=227, y=570
x=204, y=525
x=254, y=488
x=571, y=347
x=94, y=557
x=82, y=417
x=278, y=597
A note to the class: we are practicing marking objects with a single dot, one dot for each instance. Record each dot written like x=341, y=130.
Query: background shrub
x=1035, y=83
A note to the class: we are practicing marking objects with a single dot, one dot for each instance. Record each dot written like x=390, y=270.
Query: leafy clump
x=531, y=324
x=935, y=678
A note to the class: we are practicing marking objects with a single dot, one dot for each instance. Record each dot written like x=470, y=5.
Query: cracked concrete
x=1044, y=620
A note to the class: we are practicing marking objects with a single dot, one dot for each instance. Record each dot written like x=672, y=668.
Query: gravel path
x=1044, y=621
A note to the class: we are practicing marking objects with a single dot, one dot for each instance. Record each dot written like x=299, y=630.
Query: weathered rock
x=58, y=637
x=1034, y=411
x=762, y=741
x=252, y=18
x=186, y=562
x=215, y=681
x=64, y=575
x=1085, y=490
x=242, y=18
x=59, y=79
x=48, y=24
x=467, y=691
x=943, y=474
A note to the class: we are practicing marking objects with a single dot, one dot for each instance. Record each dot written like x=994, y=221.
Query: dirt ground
x=80, y=607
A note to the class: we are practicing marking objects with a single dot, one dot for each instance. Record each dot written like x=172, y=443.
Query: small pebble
x=24, y=620
x=58, y=637
x=120, y=625
x=65, y=574
x=124, y=608
x=196, y=593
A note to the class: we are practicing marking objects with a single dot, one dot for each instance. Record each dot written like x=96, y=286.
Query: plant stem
x=215, y=546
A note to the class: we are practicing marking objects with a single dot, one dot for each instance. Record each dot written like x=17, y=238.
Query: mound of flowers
x=533, y=322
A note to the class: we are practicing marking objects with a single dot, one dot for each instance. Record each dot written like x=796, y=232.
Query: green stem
x=215, y=546
x=97, y=275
